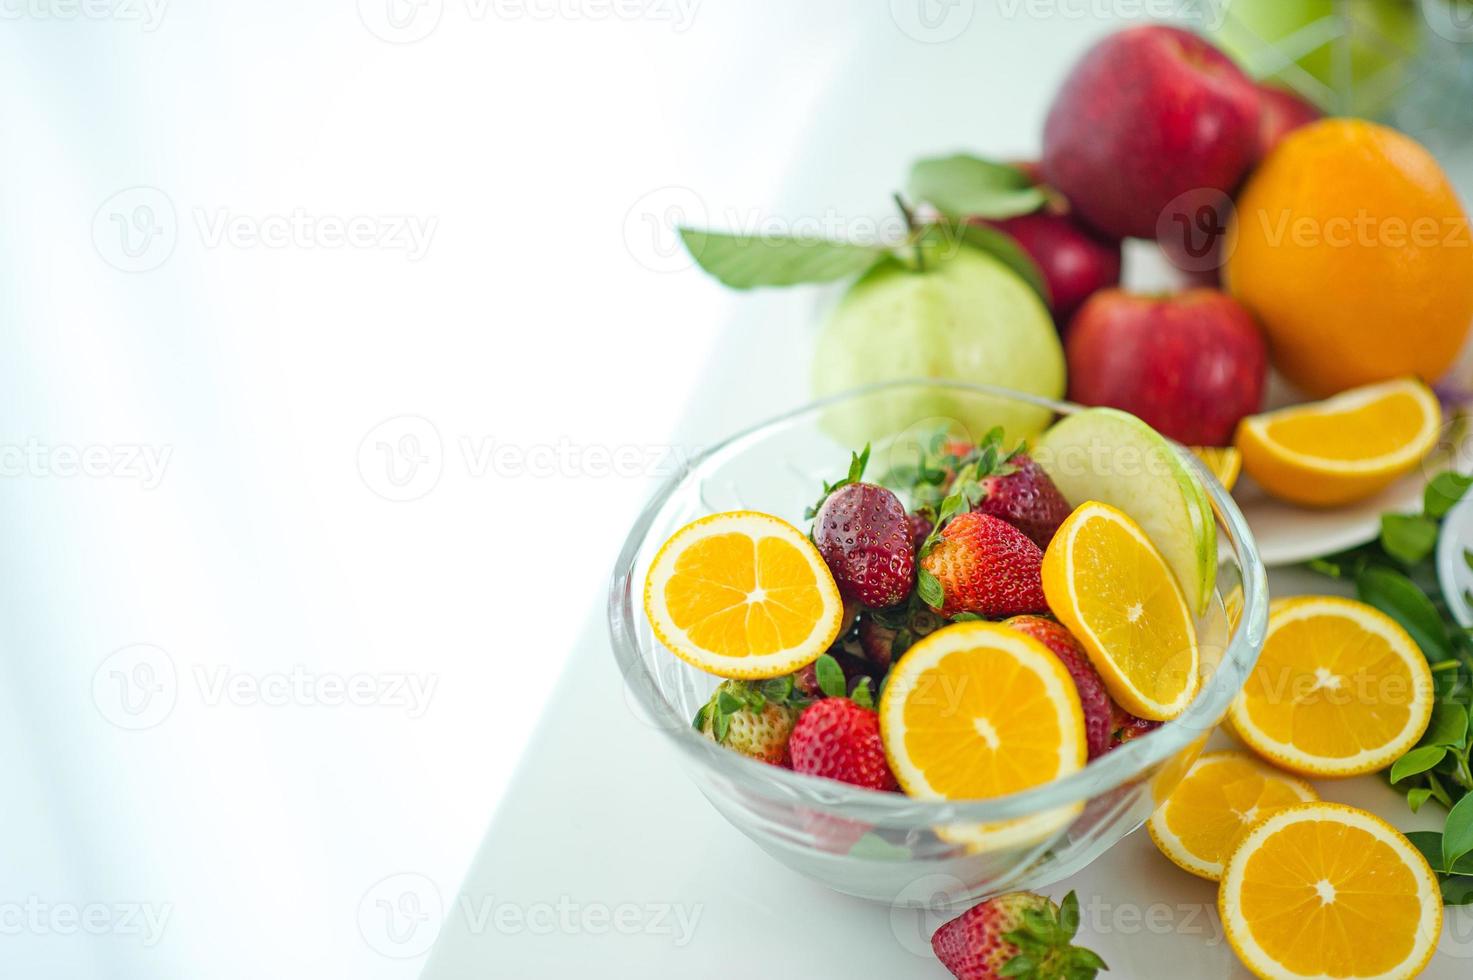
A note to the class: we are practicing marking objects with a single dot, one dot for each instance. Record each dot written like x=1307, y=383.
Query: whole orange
x=1351, y=248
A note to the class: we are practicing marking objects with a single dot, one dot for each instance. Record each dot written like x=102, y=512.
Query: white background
x=175, y=640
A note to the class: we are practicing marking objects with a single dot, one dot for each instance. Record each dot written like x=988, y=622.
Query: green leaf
x=1398, y=597
x=873, y=847
x=1069, y=915
x=1457, y=890
x=721, y=726
x=699, y=724
x=1006, y=250
x=1449, y=725
x=1406, y=538
x=1443, y=491
x=1417, y=796
x=857, y=462
x=830, y=676
x=967, y=617
x=964, y=186
x=727, y=703
x=862, y=695
x=1468, y=557
x=1018, y=966
x=1457, y=836
x=929, y=587
x=746, y=261
x=1429, y=842
x=1089, y=959
x=1417, y=761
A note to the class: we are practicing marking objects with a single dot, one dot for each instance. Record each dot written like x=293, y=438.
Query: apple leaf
x=746, y=261
x=965, y=186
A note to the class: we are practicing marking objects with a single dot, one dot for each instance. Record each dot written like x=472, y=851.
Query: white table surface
x=604, y=859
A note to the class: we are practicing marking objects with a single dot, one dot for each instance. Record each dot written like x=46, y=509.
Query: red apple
x=1149, y=114
x=1280, y=113
x=1190, y=364
x=1074, y=261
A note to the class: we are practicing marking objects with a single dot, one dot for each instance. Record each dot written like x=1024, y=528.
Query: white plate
x=1287, y=534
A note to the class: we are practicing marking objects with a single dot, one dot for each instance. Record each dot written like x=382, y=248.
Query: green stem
x=910, y=224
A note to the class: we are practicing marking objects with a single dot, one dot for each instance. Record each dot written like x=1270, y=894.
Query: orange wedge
x=1222, y=795
x=1340, y=689
x=1325, y=890
x=1109, y=585
x=742, y=595
x=1343, y=449
x=1224, y=462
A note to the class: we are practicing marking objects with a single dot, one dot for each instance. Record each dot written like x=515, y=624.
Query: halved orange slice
x=1340, y=689
x=1325, y=890
x=1223, y=794
x=1225, y=462
x=1105, y=581
x=1342, y=449
x=742, y=595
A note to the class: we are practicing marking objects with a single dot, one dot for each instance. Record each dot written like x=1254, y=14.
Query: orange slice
x=1223, y=794
x=1224, y=462
x=1340, y=689
x=1326, y=890
x=742, y=595
x=1105, y=581
x=1342, y=449
x=978, y=710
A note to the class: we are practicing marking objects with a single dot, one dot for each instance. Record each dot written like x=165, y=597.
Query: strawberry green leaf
x=929, y=587
x=1069, y=915
x=747, y=261
x=964, y=186
x=830, y=676
x=727, y=703
x=721, y=725
x=1018, y=966
x=862, y=695
x=778, y=689
x=699, y=724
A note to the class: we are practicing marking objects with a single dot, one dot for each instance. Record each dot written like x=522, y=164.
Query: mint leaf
x=1417, y=761
x=963, y=186
x=1457, y=836
x=1406, y=538
x=1398, y=597
x=830, y=676
x=1443, y=491
x=746, y=261
x=1006, y=250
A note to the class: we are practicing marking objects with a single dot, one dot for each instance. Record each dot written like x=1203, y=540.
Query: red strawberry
x=983, y=941
x=920, y=529
x=1092, y=696
x=754, y=719
x=864, y=535
x=987, y=567
x=838, y=739
x=1026, y=498
x=1126, y=727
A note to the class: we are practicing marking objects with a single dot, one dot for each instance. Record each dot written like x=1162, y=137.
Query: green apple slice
x=1107, y=455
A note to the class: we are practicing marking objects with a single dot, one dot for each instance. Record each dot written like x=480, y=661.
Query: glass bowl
x=889, y=847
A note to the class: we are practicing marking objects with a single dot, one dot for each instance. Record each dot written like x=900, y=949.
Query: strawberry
x=864, y=534
x=1019, y=934
x=886, y=634
x=838, y=738
x=1026, y=498
x=1126, y=727
x=1092, y=696
x=755, y=719
x=984, y=566
x=920, y=528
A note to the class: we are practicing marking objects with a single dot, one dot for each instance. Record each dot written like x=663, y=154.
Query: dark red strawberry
x=838, y=739
x=1019, y=934
x=985, y=566
x=920, y=529
x=1126, y=727
x=1026, y=498
x=864, y=535
x=1092, y=696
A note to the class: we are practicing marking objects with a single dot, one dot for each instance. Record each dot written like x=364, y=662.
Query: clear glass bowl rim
x=1115, y=769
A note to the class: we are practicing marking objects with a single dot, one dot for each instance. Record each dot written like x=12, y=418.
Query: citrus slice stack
x=1342, y=449
x=1326, y=890
x=742, y=595
x=1105, y=581
x=978, y=710
x=1340, y=689
x=1223, y=794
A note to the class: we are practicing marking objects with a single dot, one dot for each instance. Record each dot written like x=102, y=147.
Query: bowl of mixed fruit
x=941, y=632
